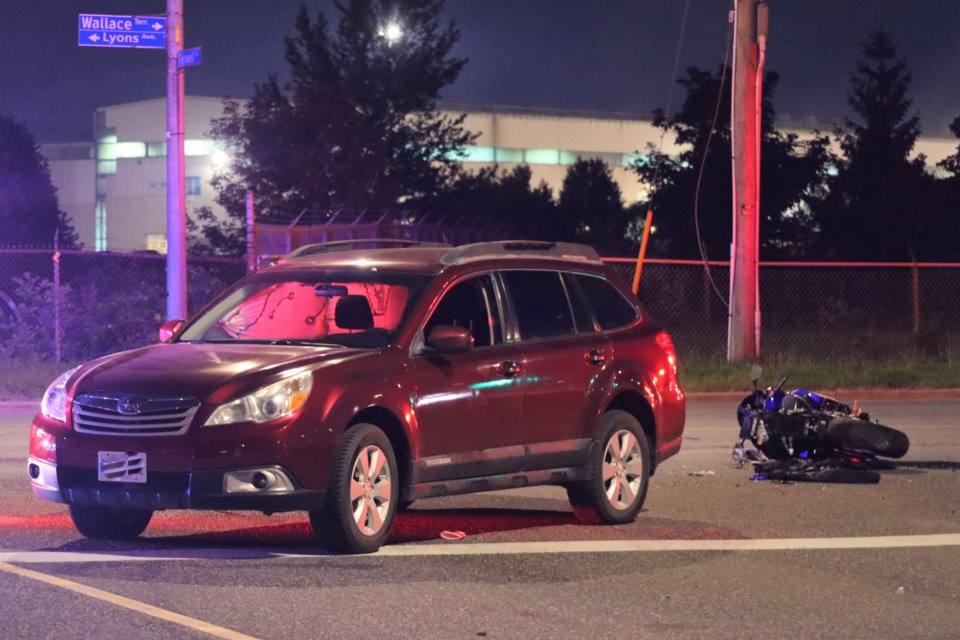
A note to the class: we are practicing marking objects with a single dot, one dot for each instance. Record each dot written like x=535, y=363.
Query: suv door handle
x=508, y=368
x=595, y=356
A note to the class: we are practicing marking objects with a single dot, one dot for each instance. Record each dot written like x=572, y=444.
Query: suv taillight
x=665, y=343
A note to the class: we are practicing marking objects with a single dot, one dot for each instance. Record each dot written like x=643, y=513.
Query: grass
x=26, y=381
x=715, y=374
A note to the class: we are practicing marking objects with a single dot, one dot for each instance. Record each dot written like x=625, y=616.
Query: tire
x=618, y=472
x=362, y=495
x=853, y=434
x=109, y=523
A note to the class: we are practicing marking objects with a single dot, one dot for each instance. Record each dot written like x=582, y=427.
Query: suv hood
x=199, y=370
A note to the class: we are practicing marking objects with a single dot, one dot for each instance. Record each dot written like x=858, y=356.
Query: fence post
x=251, y=235
x=57, y=337
x=916, y=299
x=915, y=272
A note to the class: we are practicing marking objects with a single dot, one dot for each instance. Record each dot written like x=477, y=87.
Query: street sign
x=144, y=32
x=188, y=58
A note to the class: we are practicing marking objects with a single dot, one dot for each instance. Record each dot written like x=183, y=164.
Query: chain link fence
x=825, y=310
x=107, y=302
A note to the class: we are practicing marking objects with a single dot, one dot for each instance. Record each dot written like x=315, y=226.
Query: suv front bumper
x=227, y=489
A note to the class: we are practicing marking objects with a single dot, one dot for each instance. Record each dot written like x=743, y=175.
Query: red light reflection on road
x=294, y=530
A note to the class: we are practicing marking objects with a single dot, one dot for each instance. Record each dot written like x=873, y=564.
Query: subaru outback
x=350, y=382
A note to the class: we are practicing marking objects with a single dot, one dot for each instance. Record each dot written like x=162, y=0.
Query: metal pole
x=176, y=207
x=251, y=235
x=57, y=328
x=742, y=336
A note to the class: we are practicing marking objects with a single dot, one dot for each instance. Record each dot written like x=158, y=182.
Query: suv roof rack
x=318, y=248
x=520, y=248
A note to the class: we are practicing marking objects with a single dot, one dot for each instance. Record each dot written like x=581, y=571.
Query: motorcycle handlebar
x=780, y=384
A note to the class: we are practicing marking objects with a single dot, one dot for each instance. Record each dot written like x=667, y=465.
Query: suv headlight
x=54, y=403
x=269, y=403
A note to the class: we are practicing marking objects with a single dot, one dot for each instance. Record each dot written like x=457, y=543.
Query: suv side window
x=541, y=304
x=609, y=305
x=582, y=311
x=470, y=304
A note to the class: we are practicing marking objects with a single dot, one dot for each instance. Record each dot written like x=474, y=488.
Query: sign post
x=152, y=32
x=176, y=180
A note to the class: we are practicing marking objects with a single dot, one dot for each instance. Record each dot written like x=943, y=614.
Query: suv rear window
x=609, y=305
x=540, y=300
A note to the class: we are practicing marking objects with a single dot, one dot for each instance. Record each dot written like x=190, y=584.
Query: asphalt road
x=713, y=555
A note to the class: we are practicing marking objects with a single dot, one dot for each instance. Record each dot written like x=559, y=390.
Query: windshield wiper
x=295, y=343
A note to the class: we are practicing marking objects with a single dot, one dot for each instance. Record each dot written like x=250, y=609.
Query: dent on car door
x=565, y=358
x=469, y=404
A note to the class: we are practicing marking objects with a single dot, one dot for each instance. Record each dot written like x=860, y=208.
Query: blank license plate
x=121, y=466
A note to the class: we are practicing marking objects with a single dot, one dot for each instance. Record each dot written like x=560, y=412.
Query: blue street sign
x=188, y=58
x=146, y=32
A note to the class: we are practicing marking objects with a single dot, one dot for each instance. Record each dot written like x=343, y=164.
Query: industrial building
x=114, y=188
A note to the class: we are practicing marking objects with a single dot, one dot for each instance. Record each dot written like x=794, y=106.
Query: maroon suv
x=347, y=383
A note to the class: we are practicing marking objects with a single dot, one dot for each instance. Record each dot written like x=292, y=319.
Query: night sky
x=605, y=55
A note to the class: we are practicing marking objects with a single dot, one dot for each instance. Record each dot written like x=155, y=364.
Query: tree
x=505, y=201
x=878, y=205
x=356, y=126
x=691, y=194
x=29, y=210
x=951, y=164
x=590, y=207
x=944, y=241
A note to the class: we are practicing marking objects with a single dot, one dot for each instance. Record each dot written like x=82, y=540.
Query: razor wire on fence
x=109, y=302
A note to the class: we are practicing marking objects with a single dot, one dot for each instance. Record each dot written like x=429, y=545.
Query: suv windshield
x=349, y=308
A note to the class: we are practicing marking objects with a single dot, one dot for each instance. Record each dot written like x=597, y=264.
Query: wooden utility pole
x=743, y=333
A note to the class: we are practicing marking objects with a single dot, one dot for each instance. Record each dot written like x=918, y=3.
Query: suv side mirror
x=169, y=329
x=449, y=339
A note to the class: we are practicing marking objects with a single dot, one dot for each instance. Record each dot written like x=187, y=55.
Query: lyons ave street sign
x=145, y=32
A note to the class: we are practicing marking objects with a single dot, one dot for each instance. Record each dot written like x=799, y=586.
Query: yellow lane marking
x=133, y=605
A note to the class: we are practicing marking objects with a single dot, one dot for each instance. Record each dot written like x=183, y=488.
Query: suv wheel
x=362, y=495
x=109, y=523
x=617, y=473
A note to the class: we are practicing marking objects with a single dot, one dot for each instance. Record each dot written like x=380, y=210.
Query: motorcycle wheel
x=854, y=434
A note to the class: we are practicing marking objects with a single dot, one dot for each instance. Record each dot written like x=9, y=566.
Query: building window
x=197, y=147
x=542, y=156
x=193, y=185
x=100, y=226
x=156, y=149
x=157, y=242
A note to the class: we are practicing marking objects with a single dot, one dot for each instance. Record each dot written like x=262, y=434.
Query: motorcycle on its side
x=803, y=435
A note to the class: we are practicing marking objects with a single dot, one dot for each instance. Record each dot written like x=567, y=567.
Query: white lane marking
x=512, y=548
x=626, y=546
x=127, y=603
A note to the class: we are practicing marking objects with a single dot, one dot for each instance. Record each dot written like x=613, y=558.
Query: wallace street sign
x=145, y=32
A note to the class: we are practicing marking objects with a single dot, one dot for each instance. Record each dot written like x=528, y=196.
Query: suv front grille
x=129, y=415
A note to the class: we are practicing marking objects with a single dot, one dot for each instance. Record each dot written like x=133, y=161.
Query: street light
x=392, y=32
